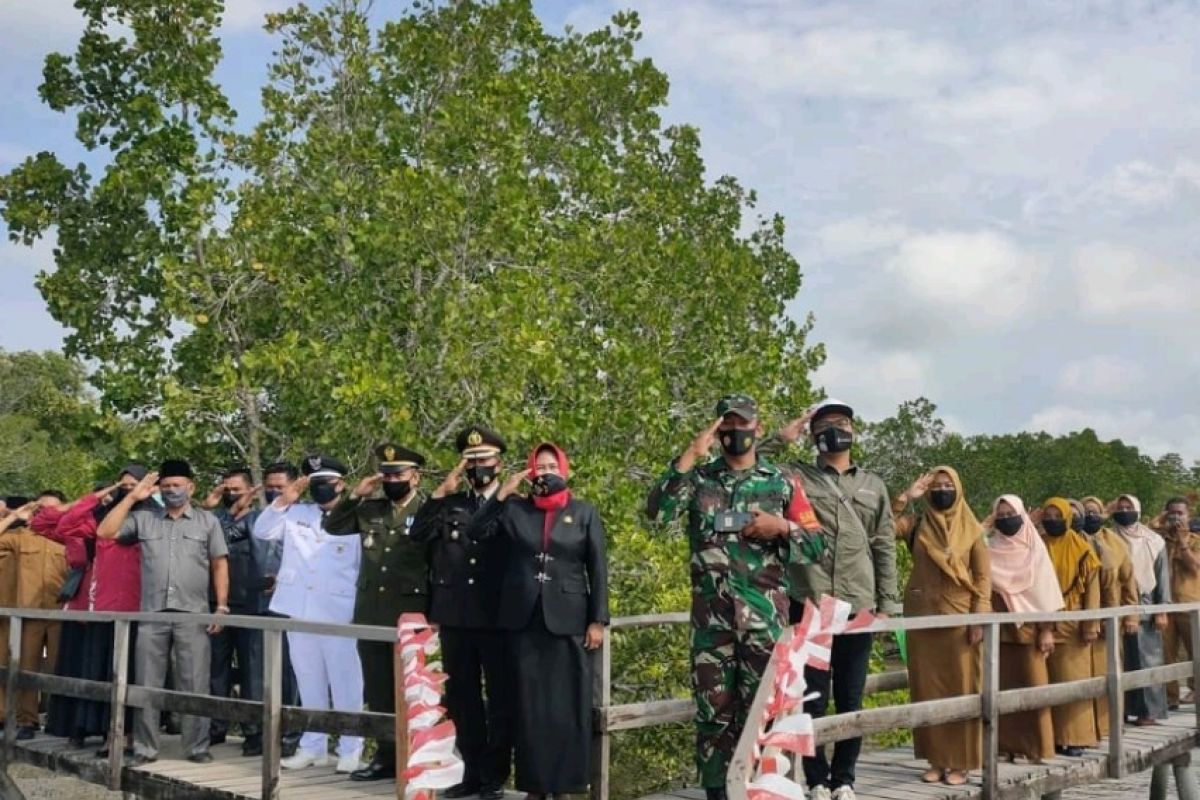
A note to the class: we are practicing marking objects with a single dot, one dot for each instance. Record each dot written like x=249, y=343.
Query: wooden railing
x=990, y=703
x=608, y=718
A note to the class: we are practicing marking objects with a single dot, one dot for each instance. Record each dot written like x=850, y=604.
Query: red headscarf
x=554, y=503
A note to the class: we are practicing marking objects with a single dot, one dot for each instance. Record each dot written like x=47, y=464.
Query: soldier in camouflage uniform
x=746, y=522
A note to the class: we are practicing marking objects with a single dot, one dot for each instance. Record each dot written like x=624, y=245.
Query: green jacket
x=394, y=577
x=859, y=565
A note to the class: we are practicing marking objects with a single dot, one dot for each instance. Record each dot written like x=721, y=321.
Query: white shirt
x=318, y=574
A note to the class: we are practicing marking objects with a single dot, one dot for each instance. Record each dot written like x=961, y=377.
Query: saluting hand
x=213, y=498
x=700, y=448
x=513, y=483
x=794, y=430
x=367, y=486
x=292, y=492
x=106, y=491
x=452, y=481
x=145, y=488
x=242, y=506
x=919, y=487
x=26, y=512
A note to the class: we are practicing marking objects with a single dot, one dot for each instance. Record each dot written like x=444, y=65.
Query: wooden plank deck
x=895, y=775
x=230, y=776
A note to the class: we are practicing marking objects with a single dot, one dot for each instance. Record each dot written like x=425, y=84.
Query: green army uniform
x=739, y=593
x=393, y=579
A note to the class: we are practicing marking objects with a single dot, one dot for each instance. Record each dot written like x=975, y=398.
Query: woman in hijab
x=554, y=603
x=951, y=574
x=1144, y=648
x=1078, y=571
x=1023, y=581
x=1117, y=588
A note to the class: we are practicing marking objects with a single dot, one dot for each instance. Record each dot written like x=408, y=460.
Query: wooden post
x=601, y=700
x=401, y=717
x=1158, y=782
x=989, y=692
x=272, y=725
x=1185, y=781
x=1194, y=624
x=10, y=695
x=120, y=686
x=1116, y=698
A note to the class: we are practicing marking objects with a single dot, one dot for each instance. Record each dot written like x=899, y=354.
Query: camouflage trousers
x=727, y=666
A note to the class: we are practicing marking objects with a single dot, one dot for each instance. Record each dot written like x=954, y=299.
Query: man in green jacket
x=859, y=566
x=393, y=580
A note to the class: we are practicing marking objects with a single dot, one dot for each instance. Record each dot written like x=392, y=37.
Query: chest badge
x=454, y=536
x=567, y=519
x=369, y=540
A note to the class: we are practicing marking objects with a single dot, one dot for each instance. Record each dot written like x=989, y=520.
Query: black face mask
x=229, y=498
x=397, y=490
x=942, y=499
x=549, y=484
x=119, y=495
x=736, y=442
x=1054, y=527
x=834, y=440
x=1125, y=518
x=323, y=492
x=1092, y=523
x=271, y=495
x=480, y=476
x=1008, y=525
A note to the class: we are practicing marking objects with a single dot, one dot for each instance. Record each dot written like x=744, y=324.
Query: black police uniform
x=465, y=597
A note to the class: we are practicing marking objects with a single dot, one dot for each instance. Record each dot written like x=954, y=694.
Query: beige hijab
x=1144, y=548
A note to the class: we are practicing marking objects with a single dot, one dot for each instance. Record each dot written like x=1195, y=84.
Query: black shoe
x=714, y=794
x=77, y=742
x=201, y=758
x=489, y=793
x=375, y=771
x=137, y=760
x=1072, y=752
x=128, y=753
x=251, y=748
x=25, y=733
x=463, y=789
x=215, y=739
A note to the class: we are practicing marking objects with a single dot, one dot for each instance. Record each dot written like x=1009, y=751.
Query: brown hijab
x=949, y=535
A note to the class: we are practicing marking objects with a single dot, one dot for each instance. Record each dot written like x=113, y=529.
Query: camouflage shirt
x=737, y=582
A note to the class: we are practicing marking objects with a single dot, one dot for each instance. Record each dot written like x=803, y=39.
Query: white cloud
x=1152, y=433
x=856, y=236
x=876, y=382
x=1116, y=282
x=1136, y=187
x=44, y=25
x=249, y=15
x=981, y=276
x=1104, y=375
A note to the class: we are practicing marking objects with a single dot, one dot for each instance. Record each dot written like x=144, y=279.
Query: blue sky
x=995, y=203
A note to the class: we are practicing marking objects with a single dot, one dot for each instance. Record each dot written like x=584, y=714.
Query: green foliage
x=1034, y=466
x=454, y=216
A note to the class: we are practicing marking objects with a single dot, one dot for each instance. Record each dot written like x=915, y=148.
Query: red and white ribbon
x=432, y=761
x=785, y=727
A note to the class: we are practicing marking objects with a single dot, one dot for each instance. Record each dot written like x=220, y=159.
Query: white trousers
x=327, y=666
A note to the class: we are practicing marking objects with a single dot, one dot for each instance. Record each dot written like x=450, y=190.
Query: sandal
x=932, y=775
x=957, y=777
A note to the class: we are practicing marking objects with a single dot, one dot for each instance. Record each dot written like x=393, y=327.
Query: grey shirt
x=177, y=556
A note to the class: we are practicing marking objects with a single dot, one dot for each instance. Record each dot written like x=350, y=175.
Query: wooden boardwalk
x=231, y=776
x=895, y=775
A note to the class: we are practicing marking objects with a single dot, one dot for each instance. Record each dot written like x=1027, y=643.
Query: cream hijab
x=1144, y=547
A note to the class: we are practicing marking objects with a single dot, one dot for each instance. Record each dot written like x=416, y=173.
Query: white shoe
x=348, y=764
x=303, y=759
x=844, y=793
x=819, y=793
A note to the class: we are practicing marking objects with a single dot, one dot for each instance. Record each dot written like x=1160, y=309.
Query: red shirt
x=115, y=579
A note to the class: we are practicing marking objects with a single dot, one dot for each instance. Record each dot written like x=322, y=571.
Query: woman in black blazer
x=554, y=603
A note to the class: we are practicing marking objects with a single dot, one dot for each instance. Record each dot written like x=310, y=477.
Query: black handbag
x=71, y=585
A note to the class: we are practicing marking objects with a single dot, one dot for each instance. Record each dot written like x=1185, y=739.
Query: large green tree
x=454, y=215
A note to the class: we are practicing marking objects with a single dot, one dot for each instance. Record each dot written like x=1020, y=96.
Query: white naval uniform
x=317, y=581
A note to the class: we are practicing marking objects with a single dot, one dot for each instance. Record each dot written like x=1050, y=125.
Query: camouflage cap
x=740, y=404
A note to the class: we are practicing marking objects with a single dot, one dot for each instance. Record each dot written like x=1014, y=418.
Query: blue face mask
x=157, y=498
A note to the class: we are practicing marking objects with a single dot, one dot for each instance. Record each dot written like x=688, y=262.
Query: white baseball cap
x=830, y=406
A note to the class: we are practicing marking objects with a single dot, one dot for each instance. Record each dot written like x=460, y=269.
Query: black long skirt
x=86, y=651
x=554, y=709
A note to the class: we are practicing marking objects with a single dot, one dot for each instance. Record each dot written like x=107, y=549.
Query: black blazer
x=466, y=573
x=572, y=581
